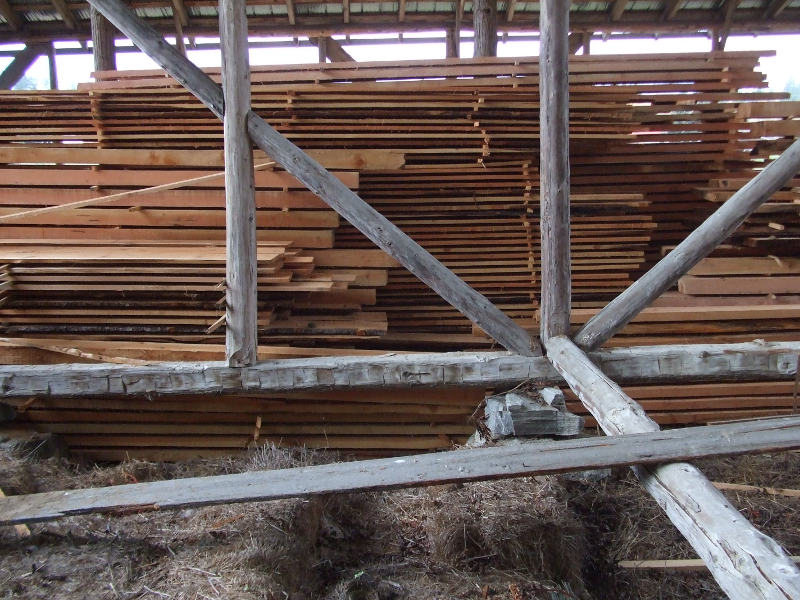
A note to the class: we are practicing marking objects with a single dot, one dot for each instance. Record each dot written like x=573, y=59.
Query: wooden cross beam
x=645, y=364
x=699, y=244
x=10, y=15
x=305, y=169
x=533, y=458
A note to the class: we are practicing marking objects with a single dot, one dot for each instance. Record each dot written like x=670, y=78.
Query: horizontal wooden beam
x=651, y=364
x=746, y=563
x=411, y=471
x=697, y=245
x=316, y=178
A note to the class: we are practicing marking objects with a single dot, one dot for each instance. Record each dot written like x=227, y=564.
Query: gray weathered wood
x=241, y=264
x=746, y=563
x=17, y=67
x=653, y=364
x=520, y=415
x=410, y=471
x=554, y=168
x=699, y=244
x=103, y=50
x=308, y=171
x=484, y=23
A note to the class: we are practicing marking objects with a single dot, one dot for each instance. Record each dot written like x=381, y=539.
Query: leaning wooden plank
x=746, y=563
x=410, y=471
x=690, y=251
x=652, y=364
x=554, y=169
x=241, y=264
x=366, y=219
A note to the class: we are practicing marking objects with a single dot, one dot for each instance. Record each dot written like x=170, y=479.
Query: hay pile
x=532, y=538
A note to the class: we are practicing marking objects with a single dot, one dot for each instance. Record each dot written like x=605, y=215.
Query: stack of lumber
x=688, y=404
x=368, y=423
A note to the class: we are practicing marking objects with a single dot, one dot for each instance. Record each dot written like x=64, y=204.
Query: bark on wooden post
x=746, y=563
x=310, y=173
x=699, y=244
x=105, y=57
x=554, y=167
x=484, y=22
x=241, y=338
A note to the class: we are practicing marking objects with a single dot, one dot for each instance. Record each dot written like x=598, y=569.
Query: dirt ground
x=549, y=538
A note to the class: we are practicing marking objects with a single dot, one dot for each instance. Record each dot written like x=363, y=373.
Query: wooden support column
x=330, y=48
x=51, y=63
x=554, y=167
x=746, y=563
x=452, y=42
x=22, y=61
x=699, y=244
x=484, y=23
x=344, y=201
x=241, y=339
x=103, y=50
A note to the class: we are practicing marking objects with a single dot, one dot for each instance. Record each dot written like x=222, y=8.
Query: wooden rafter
x=345, y=11
x=671, y=8
x=290, y=13
x=401, y=11
x=775, y=8
x=180, y=11
x=10, y=15
x=617, y=8
x=511, y=7
x=727, y=9
x=65, y=13
x=332, y=49
x=331, y=190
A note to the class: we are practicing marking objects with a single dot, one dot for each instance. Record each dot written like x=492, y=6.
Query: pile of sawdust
x=546, y=537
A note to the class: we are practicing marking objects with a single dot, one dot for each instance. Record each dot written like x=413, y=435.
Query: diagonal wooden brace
x=746, y=563
x=699, y=244
x=305, y=169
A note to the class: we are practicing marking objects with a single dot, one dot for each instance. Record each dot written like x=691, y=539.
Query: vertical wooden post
x=51, y=63
x=105, y=57
x=554, y=167
x=322, y=47
x=452, y=42
x=242, y=260
x=484, y=23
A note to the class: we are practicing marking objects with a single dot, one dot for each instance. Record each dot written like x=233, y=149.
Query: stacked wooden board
x=448, y=150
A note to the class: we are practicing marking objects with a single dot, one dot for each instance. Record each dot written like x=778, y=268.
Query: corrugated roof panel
x=643, y=5
x=204, y=11
x=41, y=16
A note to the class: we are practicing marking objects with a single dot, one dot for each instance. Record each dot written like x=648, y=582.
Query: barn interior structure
x=353, y=255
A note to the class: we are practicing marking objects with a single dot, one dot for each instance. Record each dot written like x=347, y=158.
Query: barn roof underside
x=42, y=20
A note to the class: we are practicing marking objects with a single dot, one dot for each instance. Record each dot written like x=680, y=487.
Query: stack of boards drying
x=151, y=265
x=449, y=151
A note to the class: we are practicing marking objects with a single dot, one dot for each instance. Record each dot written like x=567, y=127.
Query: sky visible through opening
x=781, y=70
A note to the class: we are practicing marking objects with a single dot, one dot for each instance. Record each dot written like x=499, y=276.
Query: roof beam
x=721, y=36
x=179, y=9
x=290, y=12
x=671, y=8
x=775, y=8
x=17, y=67
x=617, y=8
x=401, y=11
x=346, y=11
x=511, y=7
x=10, y=15
x=64, y=12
